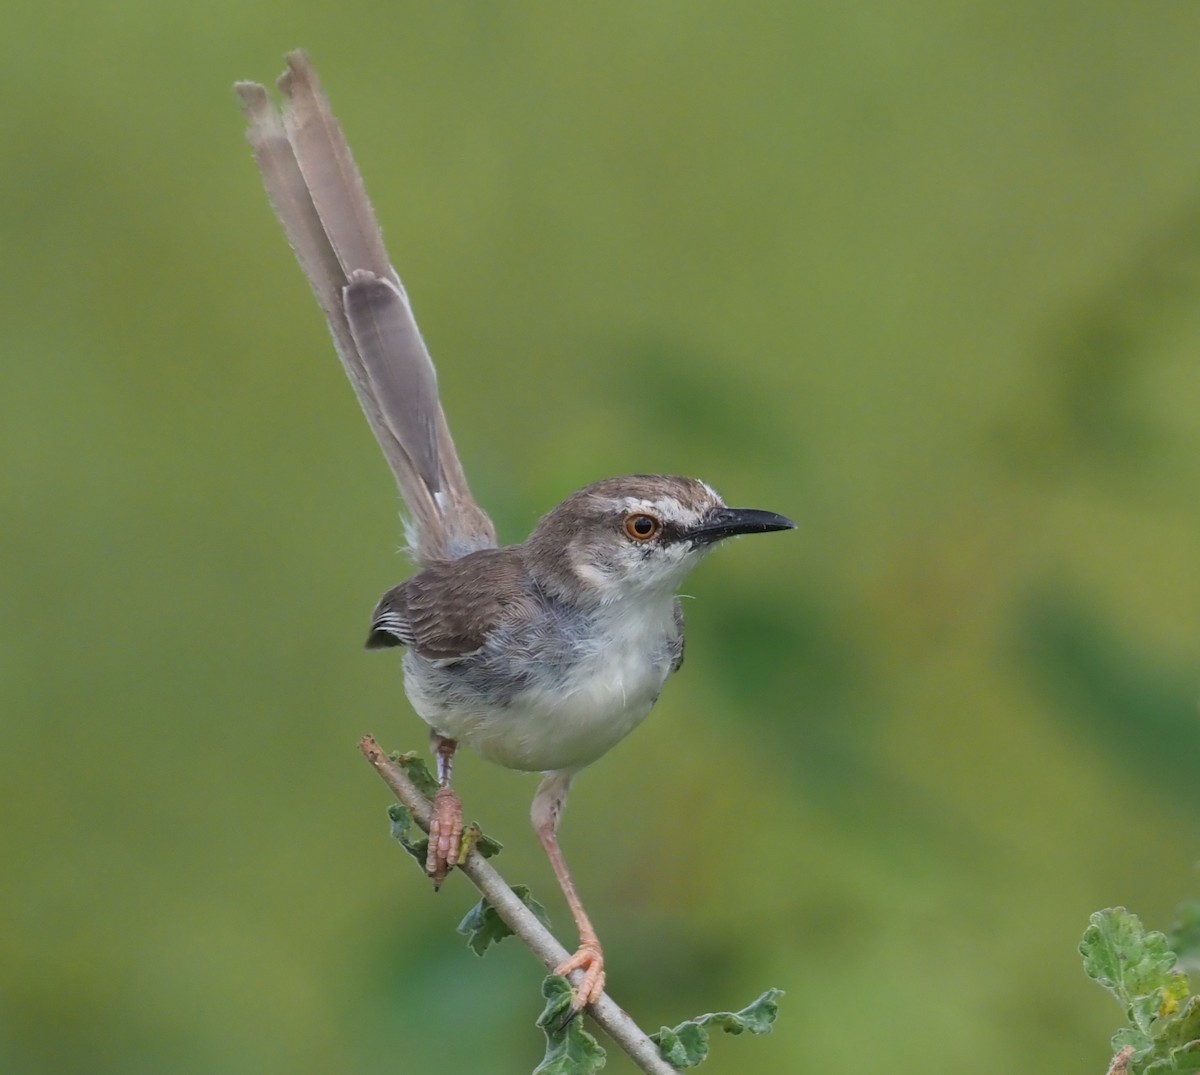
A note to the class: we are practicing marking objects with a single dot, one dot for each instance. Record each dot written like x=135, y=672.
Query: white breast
x=567, y=723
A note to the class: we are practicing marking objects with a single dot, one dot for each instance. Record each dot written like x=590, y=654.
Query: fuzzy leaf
x=686, y=1045
x=570, y=1050
x=1138, y=1040
x=1184, y=1060
x=1180, y=1026
x=418, y=772
x=404, y=831
x=1144, y=1010
x=483, y=927
x=1125, y=958
x=1174, y=993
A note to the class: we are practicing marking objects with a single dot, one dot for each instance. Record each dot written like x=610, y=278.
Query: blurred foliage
x=1184, y=937
x=923, y=278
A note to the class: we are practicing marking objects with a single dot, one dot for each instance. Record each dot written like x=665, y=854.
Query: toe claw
x=567, y=1019
x=445, y=835
x=590, y=959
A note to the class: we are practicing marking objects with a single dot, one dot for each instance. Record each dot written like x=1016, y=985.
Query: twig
x=520, y=919
x=1120, y=1062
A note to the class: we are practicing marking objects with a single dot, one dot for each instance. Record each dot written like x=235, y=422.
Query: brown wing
x=449, y=609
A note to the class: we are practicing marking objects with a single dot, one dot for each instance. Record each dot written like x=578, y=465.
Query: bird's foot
x=445, y=835
x=589, y=959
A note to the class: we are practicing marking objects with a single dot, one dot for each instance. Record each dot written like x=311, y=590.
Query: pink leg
x=446, y=822
x=547, y=809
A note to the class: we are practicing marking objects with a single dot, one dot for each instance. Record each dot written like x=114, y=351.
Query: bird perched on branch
x=539, y=656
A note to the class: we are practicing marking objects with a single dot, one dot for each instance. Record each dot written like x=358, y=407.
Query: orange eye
x=641, y=527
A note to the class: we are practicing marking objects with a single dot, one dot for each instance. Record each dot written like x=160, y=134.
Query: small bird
x=539, y=656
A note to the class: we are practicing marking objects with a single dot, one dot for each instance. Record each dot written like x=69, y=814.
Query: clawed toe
x=590, y=959
x=445, y=835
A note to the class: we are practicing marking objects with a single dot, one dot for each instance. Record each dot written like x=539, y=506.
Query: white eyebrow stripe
x=663, y=507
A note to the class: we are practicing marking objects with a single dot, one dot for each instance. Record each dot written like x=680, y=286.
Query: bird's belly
x=552, y=722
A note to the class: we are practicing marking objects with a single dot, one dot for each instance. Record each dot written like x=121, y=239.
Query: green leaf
x=1129, y=961
x=686, y=1045
x=418, y=772
x=1178, y=1026
x=1174, y=993
x=570, y=1050
x=1138, y=1040
x=1184, y=1060
x=483, y=927
x=1145, y=1009
x=405, y=831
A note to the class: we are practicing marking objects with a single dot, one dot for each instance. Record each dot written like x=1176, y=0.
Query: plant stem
x=1120, y=1062
x=606, y=1012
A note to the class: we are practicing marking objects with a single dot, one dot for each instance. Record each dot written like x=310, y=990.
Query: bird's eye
x=641, y=527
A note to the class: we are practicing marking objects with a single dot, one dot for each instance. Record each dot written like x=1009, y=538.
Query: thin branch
x=1120, y=1062
x=520, y=919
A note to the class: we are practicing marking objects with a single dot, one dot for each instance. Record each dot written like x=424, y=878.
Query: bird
x=539, y=656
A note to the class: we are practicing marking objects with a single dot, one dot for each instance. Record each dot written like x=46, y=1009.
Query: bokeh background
x=925, y=277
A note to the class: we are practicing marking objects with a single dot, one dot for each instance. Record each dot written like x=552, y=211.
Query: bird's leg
x=547, y=809
x=446, y=821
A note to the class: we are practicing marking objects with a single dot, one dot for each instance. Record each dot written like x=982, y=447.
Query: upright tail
x=316, y=191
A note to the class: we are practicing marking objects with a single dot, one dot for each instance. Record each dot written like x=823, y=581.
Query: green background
x=923, y=277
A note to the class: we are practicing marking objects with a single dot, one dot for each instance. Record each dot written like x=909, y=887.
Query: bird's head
x=638, y=534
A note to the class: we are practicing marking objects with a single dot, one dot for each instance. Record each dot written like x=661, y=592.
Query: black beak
x=726, y=522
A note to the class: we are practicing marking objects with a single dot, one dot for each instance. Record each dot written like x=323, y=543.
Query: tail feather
x=384, y=330
x=332, y=178
x=317, y=193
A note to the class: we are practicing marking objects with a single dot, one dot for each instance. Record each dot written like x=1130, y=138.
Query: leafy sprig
x=1140, y=969
x=483, y=927
x=570, y=1049
x=686, y=1045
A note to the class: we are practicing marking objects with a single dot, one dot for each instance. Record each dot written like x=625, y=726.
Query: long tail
x=316, y=191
